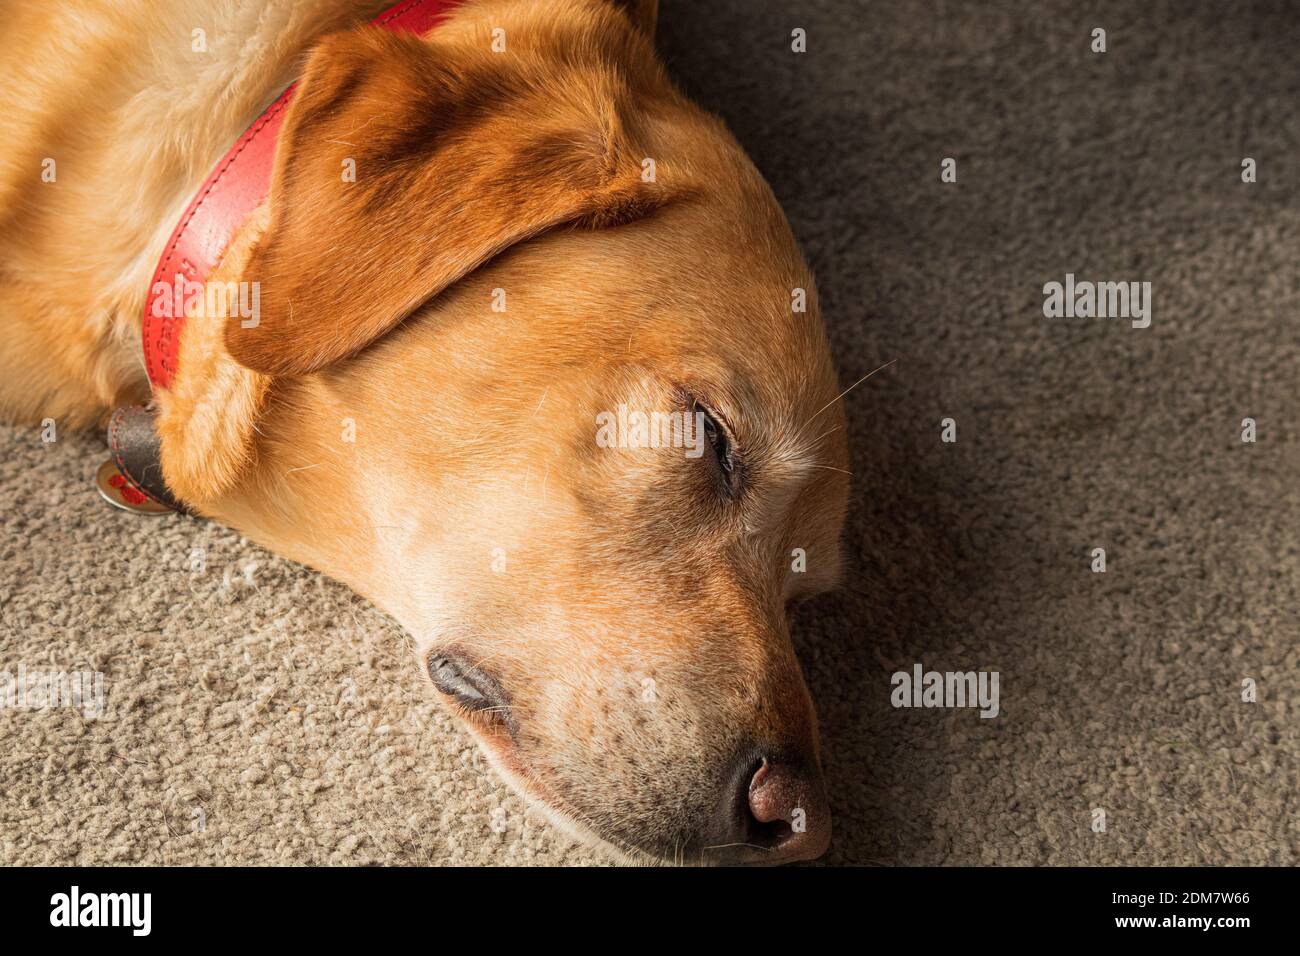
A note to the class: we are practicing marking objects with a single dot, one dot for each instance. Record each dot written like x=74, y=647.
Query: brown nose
x=789, y=809
x=777, y=814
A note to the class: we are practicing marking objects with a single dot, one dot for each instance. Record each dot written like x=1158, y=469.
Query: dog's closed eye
x=720, y=441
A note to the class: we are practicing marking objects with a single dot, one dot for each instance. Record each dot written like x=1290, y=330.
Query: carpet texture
x=256, y=713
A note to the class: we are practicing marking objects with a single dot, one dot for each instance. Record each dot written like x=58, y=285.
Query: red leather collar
x=235, y=188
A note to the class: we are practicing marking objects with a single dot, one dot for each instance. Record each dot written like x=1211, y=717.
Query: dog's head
x=548, y=382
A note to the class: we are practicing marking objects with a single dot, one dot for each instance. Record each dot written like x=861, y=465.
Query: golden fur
x=473, y=504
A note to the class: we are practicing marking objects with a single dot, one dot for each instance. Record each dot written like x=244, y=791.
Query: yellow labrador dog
x=518, y=344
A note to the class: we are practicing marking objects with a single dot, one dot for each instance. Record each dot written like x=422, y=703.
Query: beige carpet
x=258, y=714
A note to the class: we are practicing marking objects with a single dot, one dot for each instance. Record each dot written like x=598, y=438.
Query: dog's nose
x=779, y=813
x=789, y=810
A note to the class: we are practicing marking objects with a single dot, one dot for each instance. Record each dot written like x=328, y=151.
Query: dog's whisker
x=847, y=390
x=727, y=846
x=829, y=431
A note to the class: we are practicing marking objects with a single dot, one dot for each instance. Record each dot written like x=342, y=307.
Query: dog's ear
x=404, y=165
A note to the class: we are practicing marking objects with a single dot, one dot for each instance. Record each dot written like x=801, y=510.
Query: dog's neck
x=236, y=187
x=186, y=275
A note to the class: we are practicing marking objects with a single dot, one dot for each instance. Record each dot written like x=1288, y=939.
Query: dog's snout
x=776, y=812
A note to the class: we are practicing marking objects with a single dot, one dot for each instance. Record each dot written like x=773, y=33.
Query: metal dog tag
x=120, y=493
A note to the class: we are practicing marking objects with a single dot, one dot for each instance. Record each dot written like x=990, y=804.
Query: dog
x=541, y=238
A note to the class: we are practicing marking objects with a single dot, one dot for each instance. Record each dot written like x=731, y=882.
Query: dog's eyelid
x=722, y=438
